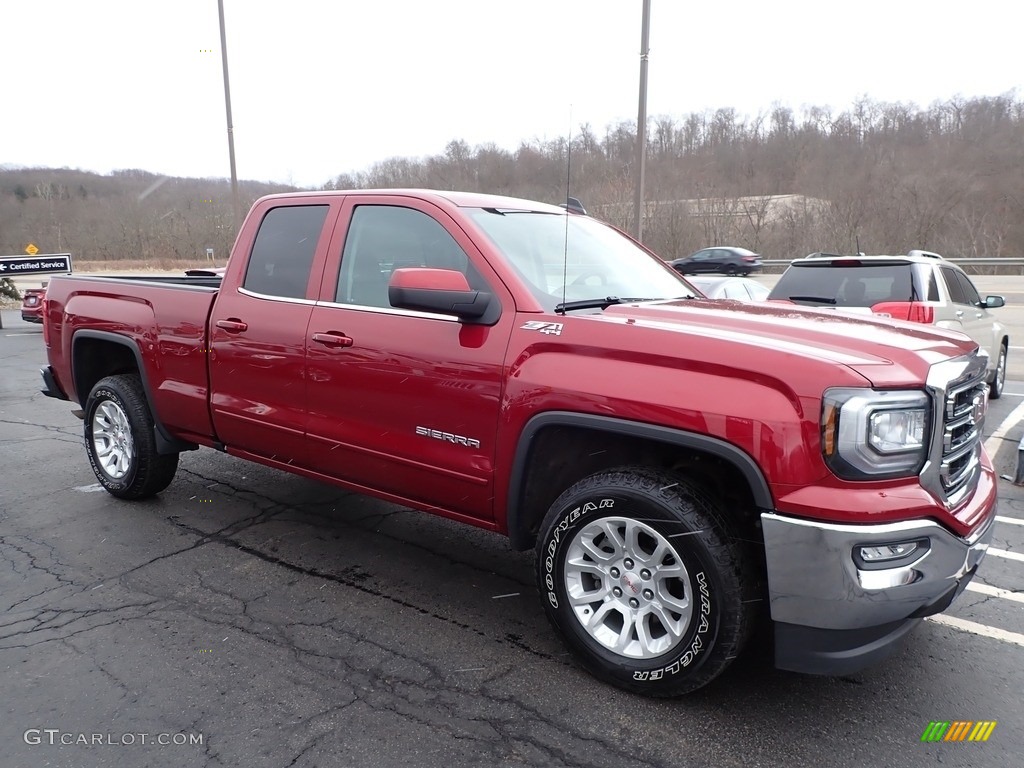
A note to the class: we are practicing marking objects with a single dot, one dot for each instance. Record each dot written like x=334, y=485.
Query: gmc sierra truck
x=684, y=468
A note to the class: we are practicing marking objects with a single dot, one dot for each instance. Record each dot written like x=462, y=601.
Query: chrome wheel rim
x=112, y=440
x=1001, y=370
x=628, y=587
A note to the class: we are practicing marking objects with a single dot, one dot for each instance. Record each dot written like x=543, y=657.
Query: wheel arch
x=98, y=354
x=555, y=450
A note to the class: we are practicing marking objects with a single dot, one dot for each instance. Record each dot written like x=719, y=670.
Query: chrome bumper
x=834, y=615
x=814, y=581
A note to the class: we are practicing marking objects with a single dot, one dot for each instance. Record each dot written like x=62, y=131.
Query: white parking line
x=978, y=629
x=1005, y=594
x=996, y=438
x=1006, y=555
x=1010, y=520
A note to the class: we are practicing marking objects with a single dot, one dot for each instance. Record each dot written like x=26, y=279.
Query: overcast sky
x=323, y=87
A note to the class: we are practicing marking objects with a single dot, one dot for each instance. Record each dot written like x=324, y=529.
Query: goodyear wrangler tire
x=640, y=578
x=120, y=440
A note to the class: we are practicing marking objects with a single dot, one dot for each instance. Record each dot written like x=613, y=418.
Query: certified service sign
x=43, y=264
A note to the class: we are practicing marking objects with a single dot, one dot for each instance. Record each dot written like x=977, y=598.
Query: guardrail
x=993, y=262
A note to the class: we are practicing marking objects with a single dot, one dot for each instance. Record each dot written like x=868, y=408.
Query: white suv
x=921, y=287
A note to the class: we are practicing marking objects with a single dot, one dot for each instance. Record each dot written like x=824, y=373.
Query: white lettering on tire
x=696, y=646
x=556, y=534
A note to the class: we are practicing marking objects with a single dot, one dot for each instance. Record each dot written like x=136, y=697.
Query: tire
x=995, y=390
x=731, y=270
x=692, y=601
x=120, y=440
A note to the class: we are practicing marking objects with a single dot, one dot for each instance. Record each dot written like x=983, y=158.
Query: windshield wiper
x=604, y=303
x=821, y=299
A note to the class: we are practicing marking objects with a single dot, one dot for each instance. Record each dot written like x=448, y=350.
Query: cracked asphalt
x=292, y=624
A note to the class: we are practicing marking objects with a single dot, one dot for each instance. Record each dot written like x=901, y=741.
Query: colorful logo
x=958, y=730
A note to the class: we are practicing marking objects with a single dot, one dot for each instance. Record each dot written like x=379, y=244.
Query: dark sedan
x=727, y=260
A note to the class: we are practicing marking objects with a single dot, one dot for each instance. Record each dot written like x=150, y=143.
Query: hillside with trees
x=889, y=176
x=128, y=215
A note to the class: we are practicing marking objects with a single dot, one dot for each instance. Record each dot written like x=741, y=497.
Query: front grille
x=962, y=424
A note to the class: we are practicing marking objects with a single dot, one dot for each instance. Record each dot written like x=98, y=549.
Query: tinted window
x=956, y=292
x=283, y=252
x=383, y=238
x=845, y=286
x=933, y=286
x=970, y=292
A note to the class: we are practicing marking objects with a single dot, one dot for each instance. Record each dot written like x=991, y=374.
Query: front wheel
x=641, y=580
x=120, y=440
x=996, y=388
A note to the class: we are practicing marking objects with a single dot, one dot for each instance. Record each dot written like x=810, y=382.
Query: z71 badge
x=553, y=329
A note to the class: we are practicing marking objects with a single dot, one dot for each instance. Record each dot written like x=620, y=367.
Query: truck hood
x=888, y=353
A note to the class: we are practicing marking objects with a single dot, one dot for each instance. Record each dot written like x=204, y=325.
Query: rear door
x=258, y=335
x=951, y=313
x=400, y=401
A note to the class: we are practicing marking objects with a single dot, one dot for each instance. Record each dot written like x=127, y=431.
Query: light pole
x=231, y=127
x=641, y=125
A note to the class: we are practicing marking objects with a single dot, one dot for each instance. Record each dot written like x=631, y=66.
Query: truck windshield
x=576, y=257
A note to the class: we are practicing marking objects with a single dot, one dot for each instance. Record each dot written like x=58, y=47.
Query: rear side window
x=845, y=286
x=970, y=292
x=282, y=255
x=956, y=291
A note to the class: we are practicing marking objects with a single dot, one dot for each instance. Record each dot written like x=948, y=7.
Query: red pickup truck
x=683, y=467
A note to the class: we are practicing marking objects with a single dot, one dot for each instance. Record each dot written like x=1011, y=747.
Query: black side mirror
x=445, y=291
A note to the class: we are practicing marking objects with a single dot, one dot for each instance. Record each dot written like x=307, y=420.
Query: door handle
x=332, y=339
x=978, y=315
x=232, y=325
x=959, y=313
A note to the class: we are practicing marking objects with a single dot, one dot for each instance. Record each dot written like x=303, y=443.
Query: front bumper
x=834, y=616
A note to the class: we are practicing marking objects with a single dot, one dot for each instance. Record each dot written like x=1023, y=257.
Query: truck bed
x=161, y=322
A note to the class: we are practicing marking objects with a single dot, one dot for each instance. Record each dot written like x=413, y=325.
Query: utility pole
x=641, y=125
x=231, y=128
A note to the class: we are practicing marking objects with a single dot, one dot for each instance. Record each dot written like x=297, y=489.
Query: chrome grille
x=962, y=428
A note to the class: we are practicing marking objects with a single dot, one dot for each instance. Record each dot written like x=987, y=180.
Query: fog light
x=889, y=555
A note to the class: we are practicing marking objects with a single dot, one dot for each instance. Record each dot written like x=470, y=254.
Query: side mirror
x=445, y=291
x=994, y=302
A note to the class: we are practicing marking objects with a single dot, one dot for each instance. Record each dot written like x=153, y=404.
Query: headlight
x=866, y=434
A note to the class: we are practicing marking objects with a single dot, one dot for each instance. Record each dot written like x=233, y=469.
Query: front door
x=404, y=402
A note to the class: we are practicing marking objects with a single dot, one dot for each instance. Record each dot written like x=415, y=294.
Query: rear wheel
x=120, y=441
x=643, y=583
x=730, y=270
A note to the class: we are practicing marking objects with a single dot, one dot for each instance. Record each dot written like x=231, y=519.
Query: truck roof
x=459, y=199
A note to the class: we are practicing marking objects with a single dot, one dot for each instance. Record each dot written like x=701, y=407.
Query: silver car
x=921, y=287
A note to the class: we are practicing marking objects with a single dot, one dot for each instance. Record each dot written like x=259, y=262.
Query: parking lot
x=251, y=618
